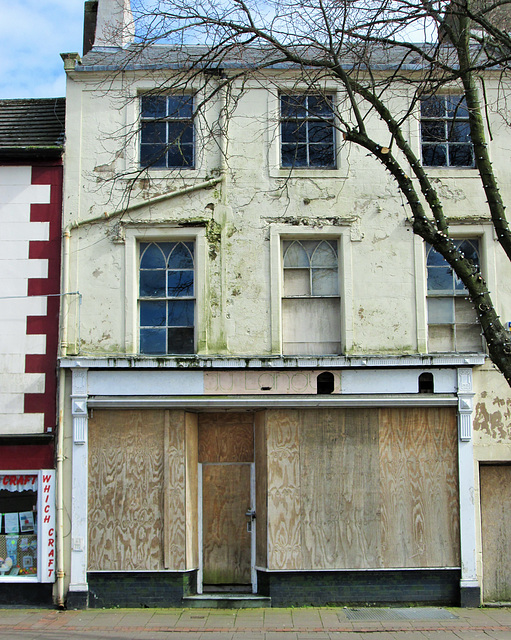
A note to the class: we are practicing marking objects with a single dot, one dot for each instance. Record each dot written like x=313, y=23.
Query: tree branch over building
x=372, y=50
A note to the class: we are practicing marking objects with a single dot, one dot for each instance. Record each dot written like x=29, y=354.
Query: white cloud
x=33, y=33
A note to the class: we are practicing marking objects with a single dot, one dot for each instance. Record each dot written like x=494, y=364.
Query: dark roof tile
x=32, y=126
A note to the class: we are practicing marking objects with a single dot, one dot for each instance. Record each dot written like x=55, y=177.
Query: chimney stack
x=108, y=23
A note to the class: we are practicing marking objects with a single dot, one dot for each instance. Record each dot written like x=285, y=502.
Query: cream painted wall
x=359, y=199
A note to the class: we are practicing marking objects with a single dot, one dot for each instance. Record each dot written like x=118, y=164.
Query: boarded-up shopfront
x=304, y=505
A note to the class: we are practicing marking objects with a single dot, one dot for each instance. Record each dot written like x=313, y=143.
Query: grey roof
x=161, y=56
x=32, y=127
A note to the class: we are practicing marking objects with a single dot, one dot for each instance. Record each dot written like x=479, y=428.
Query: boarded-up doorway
x=226, y=461
x=495, y=483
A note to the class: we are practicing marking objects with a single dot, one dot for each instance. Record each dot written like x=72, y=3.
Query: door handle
x=251, y=513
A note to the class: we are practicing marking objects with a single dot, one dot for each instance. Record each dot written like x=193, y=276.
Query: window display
x=26, y=522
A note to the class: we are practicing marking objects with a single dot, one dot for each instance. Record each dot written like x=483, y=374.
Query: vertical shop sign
x=46, y=514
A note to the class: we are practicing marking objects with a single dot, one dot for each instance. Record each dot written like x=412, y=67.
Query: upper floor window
x=311, y=320
x=452, y=319
x=167, y=298
x=445, y=132
x=307, y=131
x=167, y=132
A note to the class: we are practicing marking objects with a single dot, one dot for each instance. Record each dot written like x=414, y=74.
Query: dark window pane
x=152, y=283
x=152, y=313
x=434, y=155
x=321, y=155
x=180, y=283
x=433, y=107
x=470, y=249
x=292, y=107
x=320, y=106
x=154, y=106
x=434, y=258
x=180, y=156
x=152, y=155
x=456, y=107
x=152, y=257
x=294, y=155
x=181, y=313
x=152, y=341
x=294, y=132
x=154, y=133
x=433, y=131
x=180, y=340
x=460, y=155
x=459, y=132
x=320, y=132
x=440, y=279
x=180, y=132
x=182, y=256
x=180, y=106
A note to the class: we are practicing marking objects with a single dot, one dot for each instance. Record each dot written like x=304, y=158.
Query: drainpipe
x=60, y=492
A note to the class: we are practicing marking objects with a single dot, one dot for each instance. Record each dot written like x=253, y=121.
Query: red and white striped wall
x=30, y=241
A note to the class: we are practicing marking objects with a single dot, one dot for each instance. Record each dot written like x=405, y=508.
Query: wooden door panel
x=226, y=541
x=496, y=524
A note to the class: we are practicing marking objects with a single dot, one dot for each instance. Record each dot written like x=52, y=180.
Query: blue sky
x=33, y=34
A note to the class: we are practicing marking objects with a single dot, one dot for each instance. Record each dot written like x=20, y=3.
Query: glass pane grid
x=307, y=131
x=445, y=132
x=167, y=137
x=166, y=300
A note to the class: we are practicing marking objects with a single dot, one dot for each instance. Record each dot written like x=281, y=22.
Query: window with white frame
x=307, y=131
x=452, y=320
x=167, y=298
x=167, y=132
x=27, y=526
x=311, y=319
x=445, y=132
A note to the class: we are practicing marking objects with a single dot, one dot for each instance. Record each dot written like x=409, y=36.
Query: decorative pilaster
x=78, y=587
x=470, y=591
x=465, y=404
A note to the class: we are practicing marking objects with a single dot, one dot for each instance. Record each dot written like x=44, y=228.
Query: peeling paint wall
x=359, y=201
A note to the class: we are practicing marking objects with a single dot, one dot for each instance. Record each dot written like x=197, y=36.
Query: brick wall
x=323, y=588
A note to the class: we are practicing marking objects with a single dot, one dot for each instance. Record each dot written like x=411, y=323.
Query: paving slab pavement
x=329, y=623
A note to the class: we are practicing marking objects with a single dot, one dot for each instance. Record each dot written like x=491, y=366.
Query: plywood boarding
x=362, y=488
x=496, y=525
x=175, y=502
x=226, y=542
x=339, y=488
x=126, y=490
x=419, y=471
x=261, y=488
x=284, y=499
x=191, y=471
x=226, y=437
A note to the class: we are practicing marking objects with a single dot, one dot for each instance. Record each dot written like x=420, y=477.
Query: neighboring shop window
x=27, y=525
x=18, y=533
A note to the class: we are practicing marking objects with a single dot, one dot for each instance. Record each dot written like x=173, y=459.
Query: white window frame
x=281, y=233
x=414, y=132
x=192, y=120
x=206, y=158
x=447, y=143
x=162, y=233
x=485, y=234
x=46, y=527
x=274, y=136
